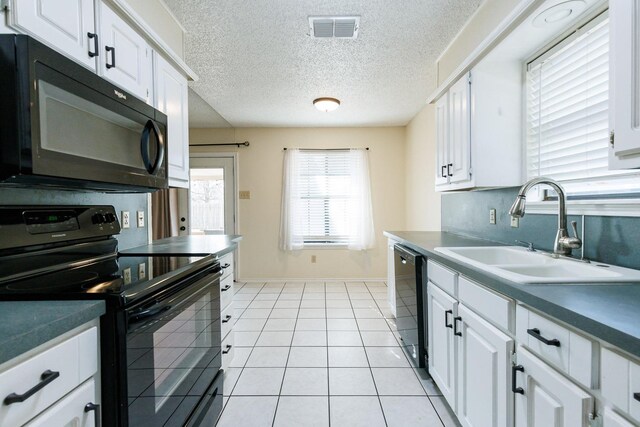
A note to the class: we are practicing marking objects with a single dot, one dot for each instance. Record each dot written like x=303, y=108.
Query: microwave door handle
x=150, y=127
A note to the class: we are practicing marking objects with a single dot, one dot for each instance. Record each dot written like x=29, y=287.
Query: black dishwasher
x=409, y=304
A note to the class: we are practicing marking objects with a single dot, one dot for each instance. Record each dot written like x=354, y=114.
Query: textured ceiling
x=202, y=115
x=258, y=66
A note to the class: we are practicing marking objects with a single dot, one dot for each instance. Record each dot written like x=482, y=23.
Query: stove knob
x=98, y=218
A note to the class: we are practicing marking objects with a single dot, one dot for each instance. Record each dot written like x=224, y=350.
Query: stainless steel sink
x=522, y=266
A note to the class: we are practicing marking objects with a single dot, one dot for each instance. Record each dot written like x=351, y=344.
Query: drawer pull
x=226, y=319
x=227, y=349
x=226, y=266
x=636, y=396
x=46, y=378
x=96, y=415
x=446, y=319
x=514, y=370
x=226, y=288
x=455, y=326
x=535, y=332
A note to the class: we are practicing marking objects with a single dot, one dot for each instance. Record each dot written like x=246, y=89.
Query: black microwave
x=64, y=126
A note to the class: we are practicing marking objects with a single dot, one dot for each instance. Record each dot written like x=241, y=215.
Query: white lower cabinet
x=483, y=366
x=441, y=309
x=544, y=397
x=612, y=419
x=76, y=409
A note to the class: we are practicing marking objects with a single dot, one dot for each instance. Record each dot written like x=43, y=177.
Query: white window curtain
x=326, y=199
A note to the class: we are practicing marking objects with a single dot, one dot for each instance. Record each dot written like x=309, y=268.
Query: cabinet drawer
x=227, y=351
x=226, y=292
x=621, y=382
x=65, y=358
x=495, y=308
x=70, y=410
x=226, y=262
x=443, y=277
x=568, y=351
x=227, y=320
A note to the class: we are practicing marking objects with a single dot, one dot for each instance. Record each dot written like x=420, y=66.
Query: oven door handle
x=142, y=314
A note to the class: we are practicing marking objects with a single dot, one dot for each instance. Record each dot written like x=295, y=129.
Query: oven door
x=173, y=355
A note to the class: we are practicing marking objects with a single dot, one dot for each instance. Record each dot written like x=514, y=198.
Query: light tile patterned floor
x=323, y=354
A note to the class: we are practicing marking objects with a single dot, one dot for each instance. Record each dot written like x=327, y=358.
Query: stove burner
x=63, y=281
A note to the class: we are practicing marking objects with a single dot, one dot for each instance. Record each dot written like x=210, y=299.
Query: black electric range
x=160, y=337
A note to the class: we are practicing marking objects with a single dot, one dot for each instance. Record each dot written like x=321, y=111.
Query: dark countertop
x=607, y=311
x=25, y=325
x=188, y=245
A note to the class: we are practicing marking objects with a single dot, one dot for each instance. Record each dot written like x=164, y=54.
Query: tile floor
x=323, y=354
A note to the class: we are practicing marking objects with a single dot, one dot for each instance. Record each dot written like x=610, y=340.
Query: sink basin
x=522, y=266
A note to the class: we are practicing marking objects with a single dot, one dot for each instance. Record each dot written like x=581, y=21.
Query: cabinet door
x=171, y=92
x=458, y=166
x=66, y=25
x=549, y=398
x=611, y=419
x=441, y=310
x=125, y=56
x=625, y=86
x=70, y=411
x=483, y=373
x=442, y=141
x=391, y=277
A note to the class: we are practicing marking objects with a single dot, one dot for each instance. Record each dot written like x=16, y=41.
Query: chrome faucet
x=563, y=244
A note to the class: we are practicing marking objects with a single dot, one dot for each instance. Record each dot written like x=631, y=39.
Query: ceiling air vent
x=344, y=27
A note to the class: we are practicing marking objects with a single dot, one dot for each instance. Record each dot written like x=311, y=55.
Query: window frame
x=541, y=201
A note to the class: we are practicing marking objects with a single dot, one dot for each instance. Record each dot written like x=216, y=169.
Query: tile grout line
x=326, y=333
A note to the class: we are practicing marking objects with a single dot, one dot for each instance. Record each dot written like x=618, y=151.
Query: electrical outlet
x=492, y=216
x=245, y=194
x=142, y=271
x=515, y=222
x=140, y=219
x=313, y=259
x=126, y=275
x=126, y=223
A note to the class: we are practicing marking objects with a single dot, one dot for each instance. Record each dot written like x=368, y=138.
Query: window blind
x=567, y=110
x=324, y=185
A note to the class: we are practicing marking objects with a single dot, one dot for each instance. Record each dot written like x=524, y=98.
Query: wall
x=484, y=20
x=613, y=240
x=128, y=238
x=260, y=171
x=158, y=16
x=423, y=203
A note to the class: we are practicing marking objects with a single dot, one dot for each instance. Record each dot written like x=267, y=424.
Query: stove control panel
x=22, y=226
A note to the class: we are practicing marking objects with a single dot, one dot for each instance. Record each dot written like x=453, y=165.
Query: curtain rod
x=324, y=149
x=237, y=144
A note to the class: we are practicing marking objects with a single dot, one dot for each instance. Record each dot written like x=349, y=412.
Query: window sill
x=602, y=207
x=314, y=246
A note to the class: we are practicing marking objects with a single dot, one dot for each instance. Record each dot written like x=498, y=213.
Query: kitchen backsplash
x=128, y=238
x=608, y=239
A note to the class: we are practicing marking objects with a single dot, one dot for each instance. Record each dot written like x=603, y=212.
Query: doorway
x=209, y=207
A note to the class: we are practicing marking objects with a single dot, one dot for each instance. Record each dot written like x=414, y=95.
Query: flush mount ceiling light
x=559, y=13
x=326, y=104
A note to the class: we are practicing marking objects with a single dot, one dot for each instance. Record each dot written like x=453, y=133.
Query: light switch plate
x=142, y=271
x=245, y=194
x=492, y=216
x=515, y=222
x=140, y=219
x=126, y=222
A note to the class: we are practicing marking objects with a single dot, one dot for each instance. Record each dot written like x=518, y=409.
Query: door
x=66, y=25
x=484, y=364
x=625, y=87
x=76, y=409
x=441, y=310
x=442, y=142
x=171, y=97
x=126, y=57
x=547, y=398
x=458, y=165
x=211, y=200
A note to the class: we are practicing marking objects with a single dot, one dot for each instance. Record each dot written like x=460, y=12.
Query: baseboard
x=302, y=279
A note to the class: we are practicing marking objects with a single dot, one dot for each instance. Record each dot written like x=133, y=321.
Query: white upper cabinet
x=478, y=131
x=171, y=92
x=624, y=118
x=67, y=25
x=126, y=57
